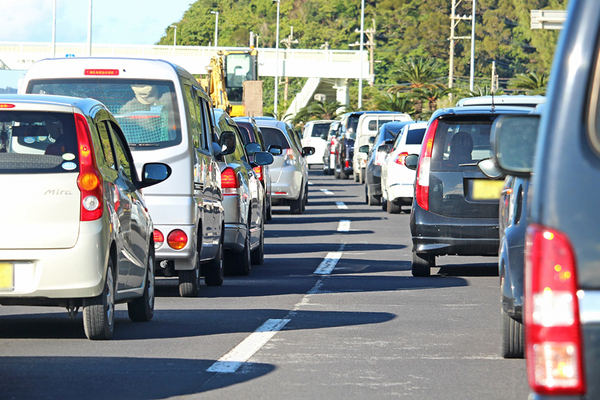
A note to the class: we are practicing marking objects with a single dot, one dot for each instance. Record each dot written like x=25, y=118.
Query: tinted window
x=37, y=142
x=353, y=124
x=106, y=148
x=459, y=144
x=274, y=136
x=415, y=136
x=376, y=124
x=244, y=131
x=121, y=153
x=319, y=130
x=146, y=109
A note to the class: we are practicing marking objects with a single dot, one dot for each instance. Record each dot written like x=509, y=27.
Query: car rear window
x=376, y=124
x=274, y=136
x=145, y=109
x=415, y=136
x=460, y=143
x=319, y=130
x=37, y=142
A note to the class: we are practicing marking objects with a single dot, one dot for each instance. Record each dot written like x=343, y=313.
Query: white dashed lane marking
x=328, y=264
x=344, y=226
x=327, y=192
x=341, y=205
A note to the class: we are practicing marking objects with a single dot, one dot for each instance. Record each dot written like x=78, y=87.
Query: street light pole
x=90, y=31
x=54, y=31
x=216, y=27
x=276, y=61
x=174, y=37
x=362, y=30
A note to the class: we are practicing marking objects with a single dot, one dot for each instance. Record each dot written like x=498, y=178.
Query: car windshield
x=274, y=136
x=353, y=125
x=320, y=129
x=460, y=143
x=37, y=142
x=146, y=109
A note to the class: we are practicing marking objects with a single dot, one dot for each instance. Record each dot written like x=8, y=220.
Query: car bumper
x=235, y=237
x=438, y=235
x=184, y=259
x=47, y=274
x=288, y=186
x=401, y=191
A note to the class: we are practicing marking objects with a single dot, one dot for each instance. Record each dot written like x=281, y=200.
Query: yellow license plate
x=484, y=189
x=7, y=280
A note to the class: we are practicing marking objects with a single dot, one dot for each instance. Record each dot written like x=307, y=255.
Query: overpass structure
x=328, y=71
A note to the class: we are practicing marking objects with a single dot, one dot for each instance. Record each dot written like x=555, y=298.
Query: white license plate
x=7, y=276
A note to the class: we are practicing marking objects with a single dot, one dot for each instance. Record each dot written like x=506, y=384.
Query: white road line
x=310, y=183
x=231, y=361
x=341, y=205
x=327, y=192
x=328, y=264
x=344, y=226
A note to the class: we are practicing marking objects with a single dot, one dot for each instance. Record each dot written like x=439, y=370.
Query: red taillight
x=4, y=105
x=89, y=180
x=258, y=170
x=159, y=238
x=422, y=182
x=552, y=325
x=347, y=163
x=400, y=158
x=332, y=146
x=229, y=182
x=177, y=239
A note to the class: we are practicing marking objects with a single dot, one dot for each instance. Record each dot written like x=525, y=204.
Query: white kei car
x=396, y=180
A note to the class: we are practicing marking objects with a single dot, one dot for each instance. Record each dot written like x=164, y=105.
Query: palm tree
x=400, y=102
x=418, y=72
x=317, y=110
x=432, y=95
x=530, y=82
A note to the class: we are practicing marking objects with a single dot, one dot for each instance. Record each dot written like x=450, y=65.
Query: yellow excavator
x=227, y=73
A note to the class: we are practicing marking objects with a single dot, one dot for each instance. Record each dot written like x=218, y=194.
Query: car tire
x=99, y=313
x=422, y=264
x=336, y=174
x=513, y=337
x=239, y=263
x=372, y=200
x=363, y=172
x=213, y=270
x=343, y=175
x=297, y=204
x=383, y=203
x=142, y=308
x=356, y=177
x=189, y=280
x=393, y=207
x=257, y=257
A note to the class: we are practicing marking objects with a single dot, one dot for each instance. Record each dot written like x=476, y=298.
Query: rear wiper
x=143, y=145
x=468, y=165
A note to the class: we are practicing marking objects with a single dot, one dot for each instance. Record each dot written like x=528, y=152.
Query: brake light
x=552, y=324
x=7, y=105
x=229, y=182
x=289, y=159
x=258, y=170
x=177, y=239
x=401, y=158
x=159, y=238
x=347, y=163
x=89, y=180
x=422, y=182
x=332, y=146
x=97, y=72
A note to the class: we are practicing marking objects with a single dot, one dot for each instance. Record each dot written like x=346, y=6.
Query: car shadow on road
x=478, y=269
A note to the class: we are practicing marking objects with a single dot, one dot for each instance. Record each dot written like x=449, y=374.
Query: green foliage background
x=404, y=28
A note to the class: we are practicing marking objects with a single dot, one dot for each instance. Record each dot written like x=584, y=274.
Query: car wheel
x=239, y=263
x=372, y=200
x=336, y=174
x=297, y=204
x=356, y=178
x=393, y=207
x=383, y=203
x=363, y=172
x=99, y=313
x=422, y=263
x=257, y=257
x=142, y=308
x=513, y=337
x=343, y=175
x=213, y=270
x=189, y=280
x=366, y=195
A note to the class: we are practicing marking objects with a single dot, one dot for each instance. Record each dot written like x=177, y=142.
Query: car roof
x=479, y=110
x=515, y=100
x=38, y=101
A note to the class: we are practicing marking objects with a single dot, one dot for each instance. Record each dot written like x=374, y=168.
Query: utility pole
x=371, y=45
x=454, y=20
x=288, y=41
x=494, y=85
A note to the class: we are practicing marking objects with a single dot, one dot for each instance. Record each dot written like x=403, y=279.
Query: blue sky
x=113, y=21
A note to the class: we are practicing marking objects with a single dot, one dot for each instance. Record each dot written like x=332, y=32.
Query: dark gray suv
x=456, y=207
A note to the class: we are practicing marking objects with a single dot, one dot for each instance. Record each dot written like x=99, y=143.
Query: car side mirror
x=263, y=158
x=384, y=148
x=252, y=148
x=227, y=143
x=275, y=149
x=411, y=161
x=308, y=151
x=513, y=139
x=364, y=148
x=489, y=169
x=153, y=173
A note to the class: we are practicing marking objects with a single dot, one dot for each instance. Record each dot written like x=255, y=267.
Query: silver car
x=289, y=171
x=74, y=228
x=244, y=198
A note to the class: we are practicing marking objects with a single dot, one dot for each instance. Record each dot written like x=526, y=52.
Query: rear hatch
x=40, y=202
x=457, y=188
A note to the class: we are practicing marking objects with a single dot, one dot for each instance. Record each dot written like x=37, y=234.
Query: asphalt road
x=333, y=313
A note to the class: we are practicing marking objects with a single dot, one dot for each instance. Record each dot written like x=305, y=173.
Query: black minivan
x=562, y=247
x=455, y=211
